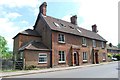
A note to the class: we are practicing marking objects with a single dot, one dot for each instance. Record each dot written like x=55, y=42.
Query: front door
x=96, y=58
x=76, y=59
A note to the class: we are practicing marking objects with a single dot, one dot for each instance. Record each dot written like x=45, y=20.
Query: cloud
x=11, y=21
x=19, y=3
x=24, y=22
x=102, y=13
x=67, y=18
x=13, y=15
x=8, y=30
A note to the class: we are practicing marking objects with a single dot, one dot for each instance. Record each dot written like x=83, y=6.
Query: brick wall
x=73, y=40
x=31, y=58
x=21, y=40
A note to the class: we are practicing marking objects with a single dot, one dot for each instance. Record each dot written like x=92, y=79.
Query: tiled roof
x=34, y=45
x=67, y=27
x=112, y=47
x=30, y=32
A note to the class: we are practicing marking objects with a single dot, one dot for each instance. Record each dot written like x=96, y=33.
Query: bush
x=117, y=56
x=31, y=67
x=109, y=55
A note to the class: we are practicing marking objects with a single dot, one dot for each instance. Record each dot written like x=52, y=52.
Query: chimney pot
x=74, y=19
x=43, y=8
x=94, y=28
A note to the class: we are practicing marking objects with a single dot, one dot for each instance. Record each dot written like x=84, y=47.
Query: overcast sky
x=18, y=15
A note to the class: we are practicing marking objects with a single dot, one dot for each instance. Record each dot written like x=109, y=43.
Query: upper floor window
x=42, y=58
x=94, y=43
x=61, y=57
x=102, y=45
x=61, y=38
x=84, y=41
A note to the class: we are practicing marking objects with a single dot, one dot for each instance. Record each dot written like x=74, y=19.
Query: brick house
x=55, y=43
x=111, y=49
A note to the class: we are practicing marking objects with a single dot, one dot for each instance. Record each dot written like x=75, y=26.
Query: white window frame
x=84, y=43
x=42, y=57
x=85, y=56
x=102, y=45
x=61, y=38
x=61, y=57
x=94, y=43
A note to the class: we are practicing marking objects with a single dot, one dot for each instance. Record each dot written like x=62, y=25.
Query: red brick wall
x=45, y=31
x=69, y=41
x=31, y=58
x=21, y=40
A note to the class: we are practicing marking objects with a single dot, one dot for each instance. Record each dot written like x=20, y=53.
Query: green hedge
x=117, y=56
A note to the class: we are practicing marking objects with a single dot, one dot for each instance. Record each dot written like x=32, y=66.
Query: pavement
x=27, y=72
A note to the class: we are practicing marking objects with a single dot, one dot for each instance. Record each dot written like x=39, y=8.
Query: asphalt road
x=102, y=71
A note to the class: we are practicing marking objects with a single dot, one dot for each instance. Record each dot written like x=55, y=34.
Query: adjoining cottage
x=111, y=49
x=55, y=43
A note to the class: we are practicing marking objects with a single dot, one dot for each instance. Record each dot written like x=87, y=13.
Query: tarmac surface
x=27, y=72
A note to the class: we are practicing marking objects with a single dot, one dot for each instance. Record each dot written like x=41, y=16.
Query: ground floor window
x=84, y=56
x=104, y=56
x=42, y=58
x=61, y=57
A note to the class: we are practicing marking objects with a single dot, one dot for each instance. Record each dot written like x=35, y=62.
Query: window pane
x=84, y=56
x=63, y=57
x=61, y=37
x=59, y=55
x=94, y=43
x=42, y=57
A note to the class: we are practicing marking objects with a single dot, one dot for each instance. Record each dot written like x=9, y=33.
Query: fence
x=7, y=64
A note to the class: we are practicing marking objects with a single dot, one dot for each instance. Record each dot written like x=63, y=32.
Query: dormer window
x=56, y=24
x=94, y=43
x=79, y=30
x=84, y=41
x=102, y=45
x=62, y=25
x=61, y=38
x=71, y=27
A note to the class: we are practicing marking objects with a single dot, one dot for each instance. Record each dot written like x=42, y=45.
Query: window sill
x=42, y=62
x=61, y=42
x=84, y=45
x=61, y=61
x=84, y=60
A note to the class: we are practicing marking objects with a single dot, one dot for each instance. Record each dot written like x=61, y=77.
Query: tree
x=118, y=45
x=4, y=53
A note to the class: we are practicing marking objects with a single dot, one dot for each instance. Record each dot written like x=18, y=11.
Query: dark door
x=96, y=58
x=76, y=58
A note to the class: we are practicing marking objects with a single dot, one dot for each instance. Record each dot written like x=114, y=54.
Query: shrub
x=109, y=55
x=117, y=56
x=31, y=67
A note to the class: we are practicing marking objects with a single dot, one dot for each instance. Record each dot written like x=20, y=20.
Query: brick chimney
x=94, y=28
x=74, y=19
x=43, y=8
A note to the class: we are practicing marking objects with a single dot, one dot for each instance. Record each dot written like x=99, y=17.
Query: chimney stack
x=74, y=19
x=43, y=8
x=94, y=28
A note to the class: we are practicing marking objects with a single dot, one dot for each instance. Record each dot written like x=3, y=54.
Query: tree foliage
x=4, y=53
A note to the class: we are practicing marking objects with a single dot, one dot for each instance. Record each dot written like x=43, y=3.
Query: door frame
x=76, y=58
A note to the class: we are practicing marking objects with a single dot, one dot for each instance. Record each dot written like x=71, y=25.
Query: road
x=101, y=71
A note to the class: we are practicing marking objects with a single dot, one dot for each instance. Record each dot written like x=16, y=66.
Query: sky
x=18, y=15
